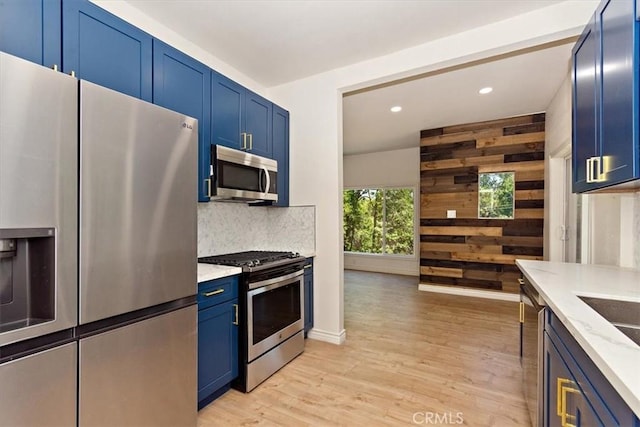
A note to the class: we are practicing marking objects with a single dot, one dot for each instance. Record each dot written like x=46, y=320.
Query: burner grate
x=248, y=258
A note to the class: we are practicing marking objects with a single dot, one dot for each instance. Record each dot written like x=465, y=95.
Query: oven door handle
x=278, y=279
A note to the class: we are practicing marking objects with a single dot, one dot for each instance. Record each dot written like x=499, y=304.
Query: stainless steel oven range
x=271, y=312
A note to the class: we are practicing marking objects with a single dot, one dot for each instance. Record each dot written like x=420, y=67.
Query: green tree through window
x=379, y=221
x=495, y=195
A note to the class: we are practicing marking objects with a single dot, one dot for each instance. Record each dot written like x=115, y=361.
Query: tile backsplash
x=234, y=227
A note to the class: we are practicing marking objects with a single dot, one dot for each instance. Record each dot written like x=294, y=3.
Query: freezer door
x=38, y=190
x=138, y=201
x=40, y=390
x=141, y=374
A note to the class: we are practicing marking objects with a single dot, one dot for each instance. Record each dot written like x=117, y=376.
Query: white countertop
x=559, y=284
x=213, y=271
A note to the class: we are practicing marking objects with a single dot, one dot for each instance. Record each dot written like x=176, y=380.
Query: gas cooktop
x=249, y=258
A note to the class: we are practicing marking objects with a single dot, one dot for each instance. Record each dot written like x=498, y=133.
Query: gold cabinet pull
x=564, y=386
x=235, y=307
x=521, y=281
x=212, y=293
x=521, y=312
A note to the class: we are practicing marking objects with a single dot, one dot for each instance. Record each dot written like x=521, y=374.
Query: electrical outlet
x=451, y=213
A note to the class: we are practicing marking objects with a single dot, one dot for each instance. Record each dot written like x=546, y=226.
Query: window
x=495, y=195
x=379, y=221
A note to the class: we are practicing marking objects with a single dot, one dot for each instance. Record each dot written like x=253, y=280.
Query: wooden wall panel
x=468, y=251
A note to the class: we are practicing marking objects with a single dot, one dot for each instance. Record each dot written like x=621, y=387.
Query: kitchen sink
x=624, y=315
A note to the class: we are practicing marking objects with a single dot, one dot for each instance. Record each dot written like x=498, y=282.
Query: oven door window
x=274, y=310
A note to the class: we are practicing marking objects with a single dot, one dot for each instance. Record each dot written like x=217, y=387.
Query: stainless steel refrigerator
x=132, y=339
x=138, y=264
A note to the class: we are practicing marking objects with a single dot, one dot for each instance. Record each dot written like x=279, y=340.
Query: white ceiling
x=277, y=41
x=521, y=84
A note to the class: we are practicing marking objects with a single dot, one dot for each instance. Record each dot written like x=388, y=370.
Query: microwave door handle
x=264, y=189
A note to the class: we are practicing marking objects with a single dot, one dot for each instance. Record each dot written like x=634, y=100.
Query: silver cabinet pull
x=235, y=307
x=54, y=67
x=250, y=141
x=208, y=184
x=244, y=140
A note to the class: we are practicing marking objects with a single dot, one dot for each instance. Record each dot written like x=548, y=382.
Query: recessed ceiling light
x=485, y=90
x=396, y=109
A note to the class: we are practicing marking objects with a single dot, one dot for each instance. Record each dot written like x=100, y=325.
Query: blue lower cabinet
x=104, y=49
x=575, y=391
x=308, y=296
x=31, y=29
x=217, y=338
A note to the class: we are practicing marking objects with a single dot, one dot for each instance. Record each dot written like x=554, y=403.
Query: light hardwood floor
x=408, y=355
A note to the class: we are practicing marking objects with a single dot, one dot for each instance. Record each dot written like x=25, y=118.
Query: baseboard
x=330, y=337
x=469, y=292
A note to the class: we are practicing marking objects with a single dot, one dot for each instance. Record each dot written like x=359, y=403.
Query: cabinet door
x=257, y=123
x=564, y=402
x=217, y=347
x=30, y=29
x=226, y=112
x=585, y=100
x=308, y=297
x=106, y=50
x=280, y=127
x=183, y=84
x=619, y=110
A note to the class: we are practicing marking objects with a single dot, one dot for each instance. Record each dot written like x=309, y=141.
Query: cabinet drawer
x=217, y=291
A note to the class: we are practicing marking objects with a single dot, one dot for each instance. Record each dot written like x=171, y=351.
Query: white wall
x=315, y=104
x=397, y=168
x=557, y=147
x=316, y=128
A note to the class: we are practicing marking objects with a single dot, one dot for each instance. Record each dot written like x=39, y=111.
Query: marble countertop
x=560, y=284
x=208, y=272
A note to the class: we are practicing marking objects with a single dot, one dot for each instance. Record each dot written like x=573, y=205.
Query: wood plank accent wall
x=467, y=251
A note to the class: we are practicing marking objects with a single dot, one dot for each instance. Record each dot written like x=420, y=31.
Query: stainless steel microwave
x=241, y=176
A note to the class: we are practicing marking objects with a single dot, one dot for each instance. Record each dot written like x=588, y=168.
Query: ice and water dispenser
x=27, y=277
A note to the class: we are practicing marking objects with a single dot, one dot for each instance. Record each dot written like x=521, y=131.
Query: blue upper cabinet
x=606, y=92
x=226, y=112
x=31, y=29
x=106, y=50
x=240, y=119
x=619, y=84
x=585, y=101
x=182, y=84
x=257, y=124
x=280, y=128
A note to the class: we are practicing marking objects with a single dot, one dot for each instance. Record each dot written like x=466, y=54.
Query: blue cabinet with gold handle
x=576, y=393
x=217, y=337
x=606, y=99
